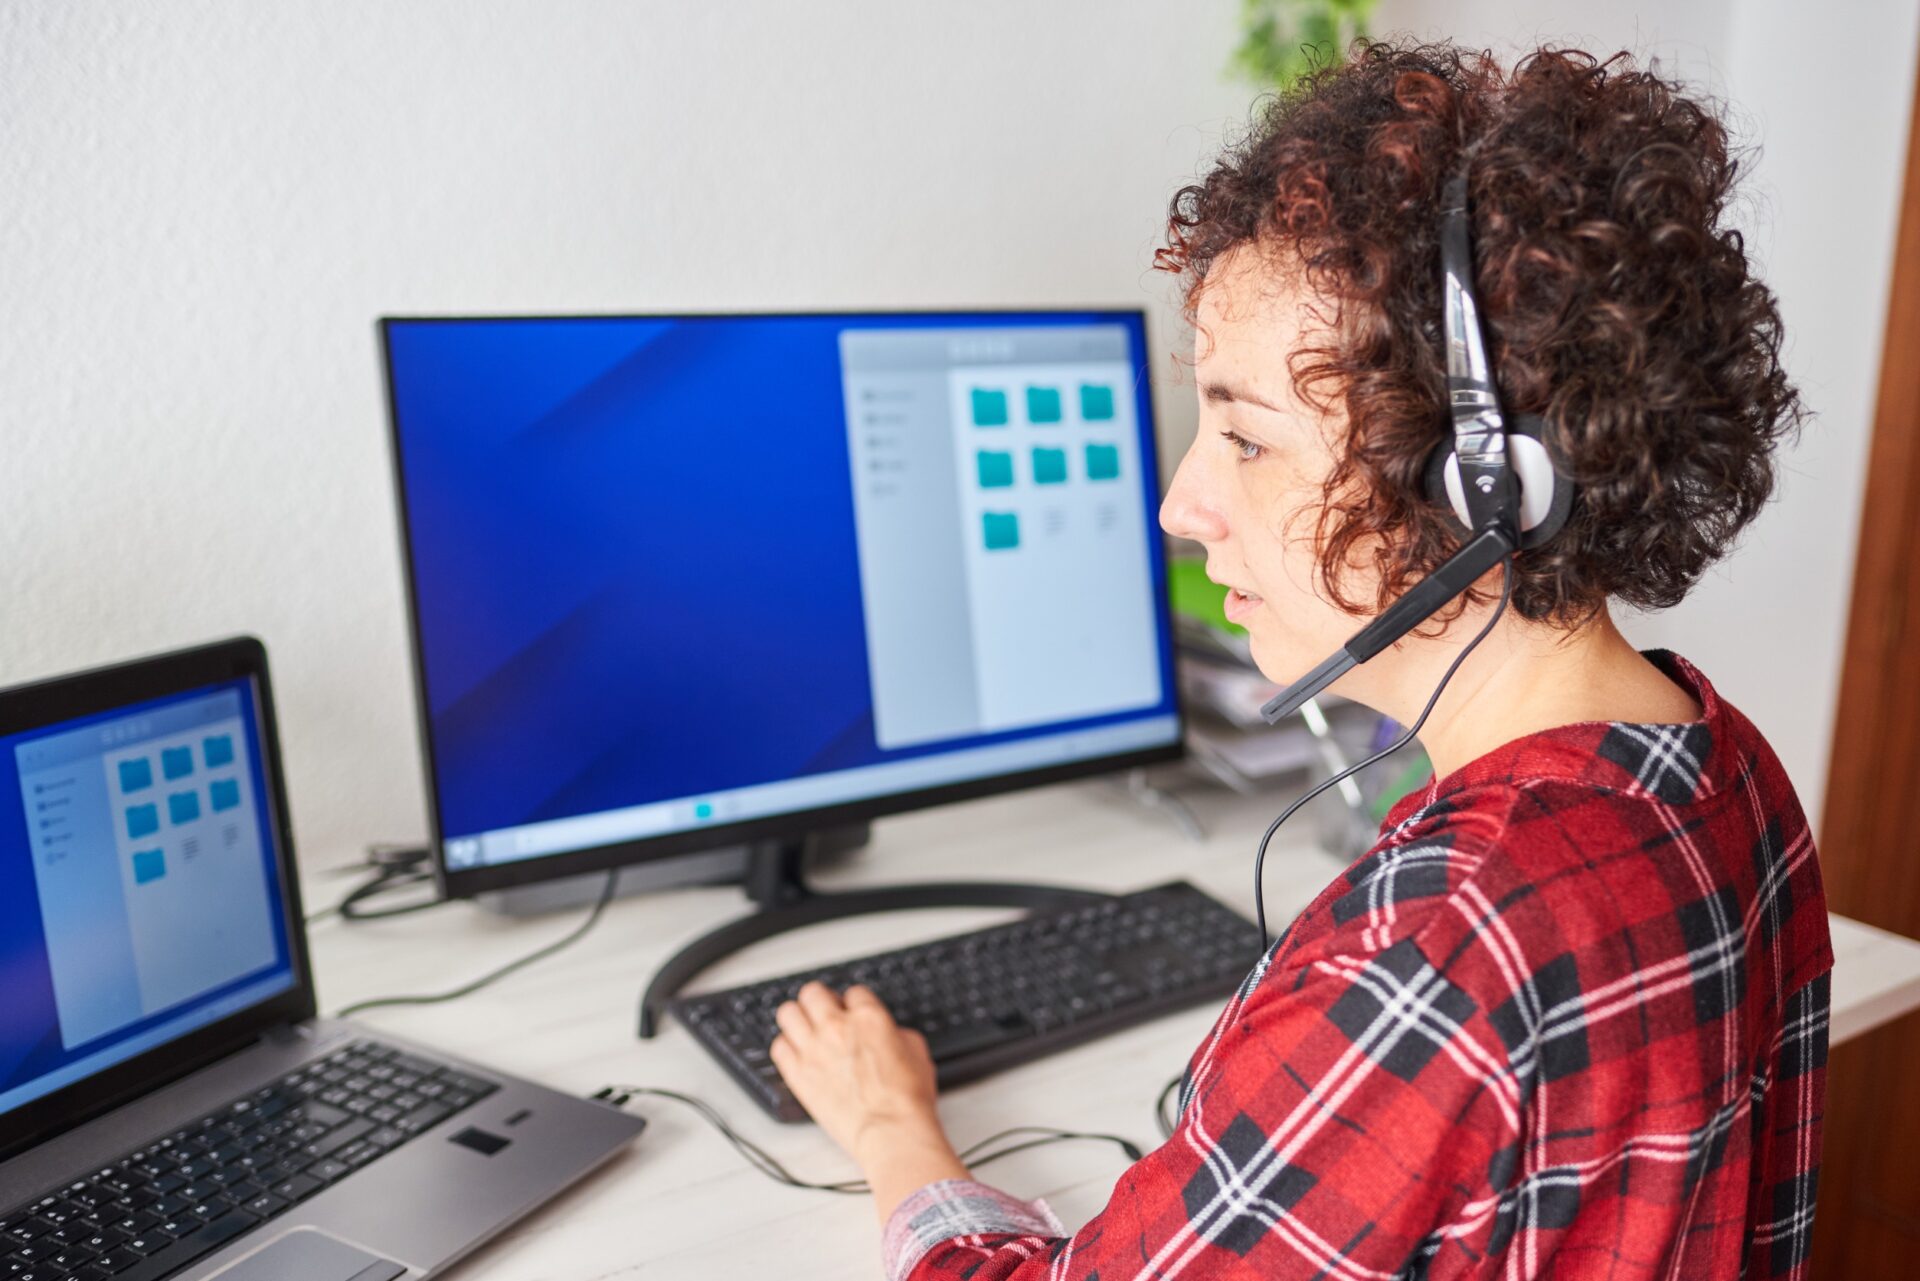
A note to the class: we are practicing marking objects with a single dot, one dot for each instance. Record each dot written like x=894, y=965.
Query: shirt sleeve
x=1342, y=1120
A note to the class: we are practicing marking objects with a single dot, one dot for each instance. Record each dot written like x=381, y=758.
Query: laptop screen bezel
x=50, y=702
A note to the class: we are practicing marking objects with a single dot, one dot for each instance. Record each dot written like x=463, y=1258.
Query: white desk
x=682, y=1203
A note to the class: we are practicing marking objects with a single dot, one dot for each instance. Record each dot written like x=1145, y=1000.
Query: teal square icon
x=1103, y=462
x=1049, y=466
x=218, y=749
x=142, y=820
x=183, y=807
x=1096, y=402
x=148, y=865
x=223, y=794
x=1043, y=404
x=176, y=762
x=996, y=468
x=1002, y=530
x=703, y=810
x=989, y=408
x=136, y=774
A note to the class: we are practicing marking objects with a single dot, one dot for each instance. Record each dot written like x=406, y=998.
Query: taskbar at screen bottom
x=819, y=791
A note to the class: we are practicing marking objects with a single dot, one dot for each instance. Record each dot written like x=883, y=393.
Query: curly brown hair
x=1619, y=306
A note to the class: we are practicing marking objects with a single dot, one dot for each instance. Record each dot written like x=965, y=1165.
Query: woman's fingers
x=794, y=1023
x=820, y=1001
x=863, y=1000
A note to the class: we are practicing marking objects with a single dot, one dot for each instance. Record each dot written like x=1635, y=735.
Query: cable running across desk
x=766, y=1163
x=493, y=976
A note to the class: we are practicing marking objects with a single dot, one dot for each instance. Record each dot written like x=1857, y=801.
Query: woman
x=1568, y=1016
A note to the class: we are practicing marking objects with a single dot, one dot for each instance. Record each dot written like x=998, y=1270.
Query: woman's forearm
x=901, y=1158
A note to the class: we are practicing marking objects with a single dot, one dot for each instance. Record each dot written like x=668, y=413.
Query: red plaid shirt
x=1567, y=1018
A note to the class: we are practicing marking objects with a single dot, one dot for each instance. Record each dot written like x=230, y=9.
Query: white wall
x=207, y=204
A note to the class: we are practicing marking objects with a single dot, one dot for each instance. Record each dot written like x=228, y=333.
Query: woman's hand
x=869, y=1084
x=852, y=1067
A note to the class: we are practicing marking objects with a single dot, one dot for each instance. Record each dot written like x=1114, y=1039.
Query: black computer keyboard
x=158, y=1209
x=1009, y=994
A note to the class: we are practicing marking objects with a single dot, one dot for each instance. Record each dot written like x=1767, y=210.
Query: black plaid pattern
x=1716, y=939
x=1398, y=875
x=1665, y=760
x=1803, y=1039
x=1776, y=888
x=1791, y=1231
x=1234, y=1195
x=1541, y=1023
x=1401, y=1011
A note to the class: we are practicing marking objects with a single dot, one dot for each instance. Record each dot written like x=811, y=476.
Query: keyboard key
x=149, y=1241
x=338, y=1138
x=427, y=1114
x=266, y=1205
x=116, y=1261
x=297, y=1188
x=328, y=1170
x=467, y=1084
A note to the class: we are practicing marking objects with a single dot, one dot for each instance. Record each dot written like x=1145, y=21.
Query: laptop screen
x=140, y=894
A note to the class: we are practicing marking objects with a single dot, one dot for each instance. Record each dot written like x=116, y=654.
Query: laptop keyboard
x=160, y=1208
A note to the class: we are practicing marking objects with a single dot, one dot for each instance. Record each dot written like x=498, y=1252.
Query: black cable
x=388, y=880
x=766, y=1163
x=493, y=976
x=393, y=867
x=1168, y=1123
x=1259, y=859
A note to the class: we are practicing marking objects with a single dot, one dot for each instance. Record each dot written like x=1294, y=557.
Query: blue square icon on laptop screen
x=148, y=865
x=176, y=762
x=136, y=774
x=183, y=807
x=1043, y=404
x=218, y=749
x=142, y=820
x=989, y=407
x=223, y=794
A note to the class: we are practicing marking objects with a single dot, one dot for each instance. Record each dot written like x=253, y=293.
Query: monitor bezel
x=64, y=698
x=470, y=881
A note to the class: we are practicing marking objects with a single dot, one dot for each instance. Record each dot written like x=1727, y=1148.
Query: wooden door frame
x=1868, y=1222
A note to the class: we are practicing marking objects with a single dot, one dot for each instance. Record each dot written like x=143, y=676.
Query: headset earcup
x=1546, y=497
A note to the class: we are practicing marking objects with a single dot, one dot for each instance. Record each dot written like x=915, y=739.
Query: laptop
x=170, y=1105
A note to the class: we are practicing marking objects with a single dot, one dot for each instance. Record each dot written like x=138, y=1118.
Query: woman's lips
x=1240, y=605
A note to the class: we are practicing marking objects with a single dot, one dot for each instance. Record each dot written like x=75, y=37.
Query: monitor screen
x=140, y=896
x=674, y=573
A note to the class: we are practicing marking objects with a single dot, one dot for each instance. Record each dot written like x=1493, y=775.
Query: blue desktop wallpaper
x=30, y=1043
x=634, y=560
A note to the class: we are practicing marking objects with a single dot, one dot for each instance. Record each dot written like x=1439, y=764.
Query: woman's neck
x=1524, y=678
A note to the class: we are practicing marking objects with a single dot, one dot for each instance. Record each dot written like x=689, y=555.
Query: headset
x=1495, y=476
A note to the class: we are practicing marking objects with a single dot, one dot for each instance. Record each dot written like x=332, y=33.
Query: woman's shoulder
x=1594, y=850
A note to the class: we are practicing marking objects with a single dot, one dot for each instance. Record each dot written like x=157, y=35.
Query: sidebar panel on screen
x=147, y=859
x=1004, y=557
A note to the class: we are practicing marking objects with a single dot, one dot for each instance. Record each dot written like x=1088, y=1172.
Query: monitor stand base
x=774, y=880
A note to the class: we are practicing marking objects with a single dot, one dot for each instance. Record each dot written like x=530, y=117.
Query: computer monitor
x=682, y=581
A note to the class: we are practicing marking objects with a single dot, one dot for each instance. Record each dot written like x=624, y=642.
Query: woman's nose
x=1189, y=509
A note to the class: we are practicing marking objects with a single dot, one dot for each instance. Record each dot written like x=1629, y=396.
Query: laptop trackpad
x=307, y=1254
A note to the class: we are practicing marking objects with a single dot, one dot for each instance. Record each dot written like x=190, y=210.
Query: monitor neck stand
x=776, y=883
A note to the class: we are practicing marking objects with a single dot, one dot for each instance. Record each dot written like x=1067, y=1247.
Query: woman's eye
x=1248, y=450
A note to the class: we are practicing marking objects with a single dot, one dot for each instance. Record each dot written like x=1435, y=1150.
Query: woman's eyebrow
x=1226, y=393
